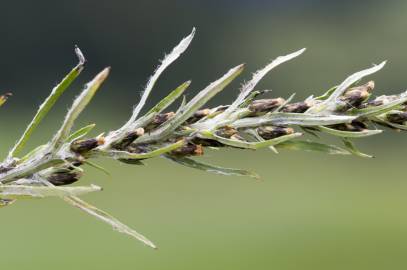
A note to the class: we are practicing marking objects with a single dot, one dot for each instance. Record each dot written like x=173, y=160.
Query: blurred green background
x=310, y=211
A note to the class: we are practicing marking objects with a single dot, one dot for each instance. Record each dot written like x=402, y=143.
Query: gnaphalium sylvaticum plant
x=345, y=111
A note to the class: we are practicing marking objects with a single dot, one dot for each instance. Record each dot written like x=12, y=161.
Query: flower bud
x=82, y=146
x=298, y=107
x=158, y=120
x=397, y=117
x=271, y=132
x=63, y=178
x=354, y=97
x=265, y=105
x=188, y=149
x=129, y=138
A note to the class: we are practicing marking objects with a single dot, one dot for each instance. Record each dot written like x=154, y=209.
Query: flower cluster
x=249, y=122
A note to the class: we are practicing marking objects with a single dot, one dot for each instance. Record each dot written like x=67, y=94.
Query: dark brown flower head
x=158, y=120
x=82, y=146
x=271, y=132
x=265, y=105
x=298, y=107
x=129, y=138
x=355, y=96
x=63, y=178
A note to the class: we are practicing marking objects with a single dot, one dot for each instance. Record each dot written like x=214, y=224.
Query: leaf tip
x=79, y=54
x=103, y=75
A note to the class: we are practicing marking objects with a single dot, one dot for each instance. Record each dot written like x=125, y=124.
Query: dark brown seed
x=189, y=149
x=129, y=139
x=355, y=96
x=265, y=105
x=158, y=120
x=299, y=107
x=81, y=146
x=64, y=178
x=271, y=132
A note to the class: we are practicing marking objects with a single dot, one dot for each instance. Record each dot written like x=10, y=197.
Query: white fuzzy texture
x=168, y=60
x=329, y=104
x=257, y=77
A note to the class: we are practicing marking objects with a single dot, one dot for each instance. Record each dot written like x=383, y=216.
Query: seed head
x=159, y=119
x=265, y=105
x=355, y=96
x=64, y=178
x=129, y=138
x=298, y=107
x=82, y=146
x=271, y=132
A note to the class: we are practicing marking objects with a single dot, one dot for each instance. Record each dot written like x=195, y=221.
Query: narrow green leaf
x=98, y=167
x=330, y=102
x=77, y=107
x=168, y=60
x=257, y=76
x=251, y=97
x=48, y=104
x=189, y=109
x=22, y=191
x=80, y=133
x=191, y=163
x=249, y=145
x=310, y=131
x=350, y=134
x=301, y=119
x=327, y=94
x=380, y=120
x=32, y=153
x=312, y=147
x=102, y=215
x=116, y=154
x=118, y=135
x=169, y=99
x=288, y=100
x=107, y=218
x=377, y=110
x=352, y=149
